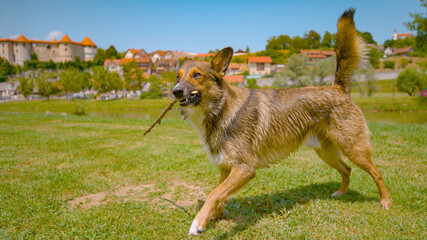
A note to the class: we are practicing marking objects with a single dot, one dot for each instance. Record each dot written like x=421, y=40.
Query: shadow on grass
x=247, y=211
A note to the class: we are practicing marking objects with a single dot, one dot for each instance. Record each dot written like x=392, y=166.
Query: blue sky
x=195, y=26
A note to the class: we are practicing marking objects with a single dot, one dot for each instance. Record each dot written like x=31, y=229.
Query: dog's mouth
x=191, y=100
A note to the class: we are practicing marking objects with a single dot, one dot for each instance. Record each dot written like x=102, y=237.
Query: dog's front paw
x=195, y=229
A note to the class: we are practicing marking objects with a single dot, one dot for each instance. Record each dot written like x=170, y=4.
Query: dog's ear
x=221, y=60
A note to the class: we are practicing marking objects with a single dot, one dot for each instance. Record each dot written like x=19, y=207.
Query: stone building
x=19, y=50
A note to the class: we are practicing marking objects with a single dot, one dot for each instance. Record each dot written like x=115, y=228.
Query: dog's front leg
x=238, y=177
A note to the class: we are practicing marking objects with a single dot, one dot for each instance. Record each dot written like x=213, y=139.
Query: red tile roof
x=316, y=56
x=160, y=52
x=87, y=42
x=21, y=39
x=404, y=34
x=313, y=53
x=204, y=55
x=234, y=66
x=266, y=59
x=234, y=78
x=66, y=39
x=135, y=51
x=402, y=50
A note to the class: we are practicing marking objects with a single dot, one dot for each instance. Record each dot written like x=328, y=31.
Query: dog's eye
x=197, y=75
x=177, y=77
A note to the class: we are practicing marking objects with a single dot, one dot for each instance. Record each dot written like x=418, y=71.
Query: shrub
x=79, y=109
x=404, y=62
x=389, y=64
x=410, y=80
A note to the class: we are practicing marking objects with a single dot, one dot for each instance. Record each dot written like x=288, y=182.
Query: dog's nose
x=178, y=93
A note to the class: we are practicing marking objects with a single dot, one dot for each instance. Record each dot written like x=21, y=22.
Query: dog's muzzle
x=185, y=97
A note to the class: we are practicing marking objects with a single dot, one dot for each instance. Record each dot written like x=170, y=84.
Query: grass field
x=66, y=177
x=378, y=102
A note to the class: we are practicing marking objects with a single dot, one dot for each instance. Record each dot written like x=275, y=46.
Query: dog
x=244, y=129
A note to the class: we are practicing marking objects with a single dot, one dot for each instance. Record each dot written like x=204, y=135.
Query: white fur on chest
x=196, y=118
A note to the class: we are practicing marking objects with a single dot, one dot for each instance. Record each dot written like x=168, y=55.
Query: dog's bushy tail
x=351, y=50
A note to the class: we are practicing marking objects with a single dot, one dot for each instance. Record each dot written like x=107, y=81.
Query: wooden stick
x=176, y=205
x=167, y=109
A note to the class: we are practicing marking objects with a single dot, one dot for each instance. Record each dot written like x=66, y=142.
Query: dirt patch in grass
x=178, y=191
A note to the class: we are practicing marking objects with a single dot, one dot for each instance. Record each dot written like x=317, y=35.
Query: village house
x=8, y=89
x=237, y=80
x=260, y=65
x=136, y=53
x=313, y=54
x=17, y=51
x=401, y=35
x=142, y=59
x=235, y=68
x=164, y=65
x=398, y=51
x=159, y=55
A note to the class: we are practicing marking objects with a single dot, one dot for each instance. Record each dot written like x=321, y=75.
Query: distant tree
x=299, y=43
x=371, y=80
x=327, y=40
x=296, y=71
x=6, y=69
x=247, y=49
x=281, y=42
x=313, y=39
x=252, y=84
x=411, y=80
x=34, y=56
x=26, y=86
x=334, y=40
x=169, y=78
x=389, y=43
x=419, y=24
x=51, y=65
x=133, y=76
x=45, y=87
x=105, y=82
x=374, y=57
x=83, y=81
x=100, y=57
x=238, y=60
x=68, y=80
x=111, y=53
x=156, y=87
x=324, y=68
x=276, y=56
x=367, y=36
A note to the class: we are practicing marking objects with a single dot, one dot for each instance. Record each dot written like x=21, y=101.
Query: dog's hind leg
x=359, y=152
x=238, y=177
x=331, y=154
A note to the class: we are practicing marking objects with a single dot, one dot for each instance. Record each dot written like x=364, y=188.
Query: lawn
x=66, y=177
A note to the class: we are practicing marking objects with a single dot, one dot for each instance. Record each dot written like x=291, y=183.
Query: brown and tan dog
x=244, y=129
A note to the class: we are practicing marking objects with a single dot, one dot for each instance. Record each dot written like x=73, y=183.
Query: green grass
x=46, y=161
x=379, y=102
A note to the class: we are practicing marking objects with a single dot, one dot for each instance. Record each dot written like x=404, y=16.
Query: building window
x=260, y=66
x=65, y=44
x=65, y=49
x=48, y=46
